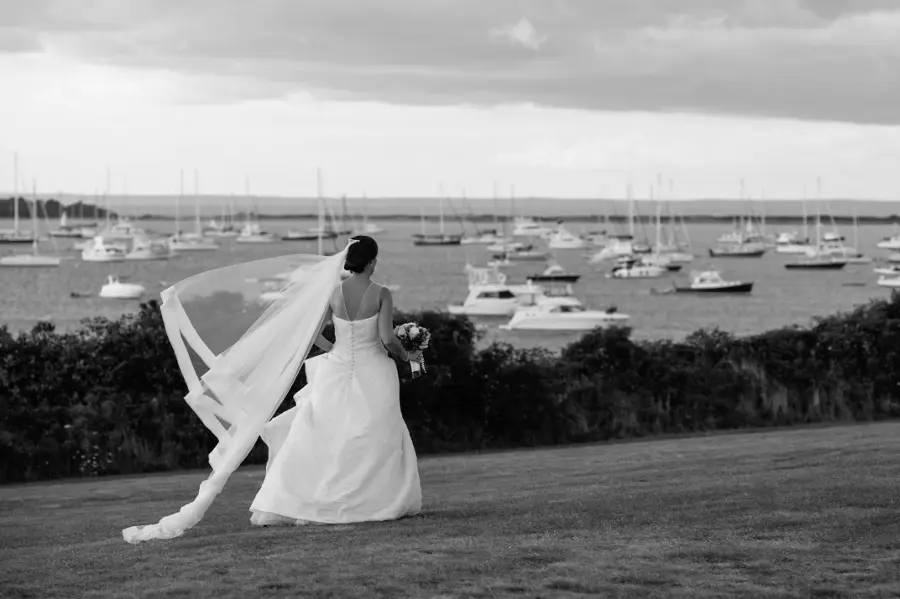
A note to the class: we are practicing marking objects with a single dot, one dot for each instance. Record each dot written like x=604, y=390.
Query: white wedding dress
x=343, y=453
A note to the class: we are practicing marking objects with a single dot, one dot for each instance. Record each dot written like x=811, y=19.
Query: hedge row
x=108, y=398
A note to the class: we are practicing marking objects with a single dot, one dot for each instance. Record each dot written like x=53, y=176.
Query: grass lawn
x=785, y=513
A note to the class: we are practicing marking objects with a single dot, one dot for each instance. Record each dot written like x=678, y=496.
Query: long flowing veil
x=240, y=336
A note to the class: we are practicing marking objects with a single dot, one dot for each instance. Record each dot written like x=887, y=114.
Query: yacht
x=563, y=239
x=100, y=251
x=528, y=227
x=560, y=317
x=891, y=242
x=711, y=281
x=555, y=274
x=884, y=281
x=144, y=248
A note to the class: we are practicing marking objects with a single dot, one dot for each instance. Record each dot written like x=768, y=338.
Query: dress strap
x=362, y=301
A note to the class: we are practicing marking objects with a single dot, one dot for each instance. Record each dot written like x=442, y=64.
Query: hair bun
x=361, y=253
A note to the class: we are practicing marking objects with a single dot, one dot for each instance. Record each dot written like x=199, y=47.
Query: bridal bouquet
x=414, y=338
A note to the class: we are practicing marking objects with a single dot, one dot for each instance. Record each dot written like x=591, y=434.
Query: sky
x=552, y=98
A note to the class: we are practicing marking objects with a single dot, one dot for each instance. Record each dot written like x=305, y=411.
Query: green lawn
x=786, y=513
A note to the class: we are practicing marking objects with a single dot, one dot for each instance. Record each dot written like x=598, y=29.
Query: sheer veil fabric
x=240, y=336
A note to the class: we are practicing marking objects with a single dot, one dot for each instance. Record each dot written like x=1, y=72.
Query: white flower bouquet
x=414, y=338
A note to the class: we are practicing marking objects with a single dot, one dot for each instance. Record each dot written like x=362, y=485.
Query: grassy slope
x=787, y=513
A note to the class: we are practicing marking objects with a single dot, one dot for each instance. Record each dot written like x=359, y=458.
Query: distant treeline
x=109, y=398
x=54, y=209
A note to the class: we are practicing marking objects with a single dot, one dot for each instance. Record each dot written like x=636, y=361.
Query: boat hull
x=429, y=241
x=578, y=322
x=727, y=254
x=554, y=278
x=837, y=265
x=29, y=261
x=730, y=288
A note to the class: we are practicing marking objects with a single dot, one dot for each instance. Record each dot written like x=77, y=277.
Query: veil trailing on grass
x=240, y=336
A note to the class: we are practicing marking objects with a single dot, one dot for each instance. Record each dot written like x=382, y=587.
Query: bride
x=344, y=454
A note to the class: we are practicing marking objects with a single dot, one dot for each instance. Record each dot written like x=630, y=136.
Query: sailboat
x=817, y=260
x=367, y=227
x=34, y=258
x=16, y=236
x=441, y=238
x=190, y=242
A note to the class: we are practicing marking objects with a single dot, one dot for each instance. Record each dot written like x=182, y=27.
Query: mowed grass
x=786, y=513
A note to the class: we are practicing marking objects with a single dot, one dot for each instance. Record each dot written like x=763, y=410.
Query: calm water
x=435, y=277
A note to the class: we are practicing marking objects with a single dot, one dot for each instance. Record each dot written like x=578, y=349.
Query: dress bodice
x=354, y=338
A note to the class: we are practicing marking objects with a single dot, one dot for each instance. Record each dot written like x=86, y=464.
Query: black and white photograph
x=450, y=299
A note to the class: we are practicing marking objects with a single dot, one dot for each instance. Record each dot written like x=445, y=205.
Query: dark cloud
x=814, y=59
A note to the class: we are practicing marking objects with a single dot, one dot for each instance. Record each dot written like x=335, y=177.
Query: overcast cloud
x=815, y=59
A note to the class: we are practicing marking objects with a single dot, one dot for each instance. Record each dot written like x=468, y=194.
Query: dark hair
x=361, y=253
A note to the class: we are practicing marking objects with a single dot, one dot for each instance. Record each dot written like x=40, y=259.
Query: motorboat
x=488, y=300
x=563, y=239
x=508, y=246
x=144, y=248
x=888, y=270
x=252, y=233
x=214, y=229
x=661, y=260
x=116, y=289
x=122, y=231
x=633, y=268
x=884, y=281
x=528, y=227
x=100, y=251
x=711, y=281
x=555, y=274
x=528, y=254
x=891, y=242
x=191, y=242
x=556, y=317
x=793, y=248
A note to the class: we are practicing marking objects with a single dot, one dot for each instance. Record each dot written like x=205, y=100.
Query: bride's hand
x=415, y=356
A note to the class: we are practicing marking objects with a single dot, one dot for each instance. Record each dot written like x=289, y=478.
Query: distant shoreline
x=53, y=209
x=577, y=218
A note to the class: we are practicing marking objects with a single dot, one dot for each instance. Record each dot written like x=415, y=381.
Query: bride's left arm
x=321, y=342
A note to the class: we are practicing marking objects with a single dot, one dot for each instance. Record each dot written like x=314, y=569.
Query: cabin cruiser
x=563, y=239
x=144, y=248
x=100, y=251
x=488, y=237
x=252, y=233
x=711, y=281
x=561, y=317
x=527, y=227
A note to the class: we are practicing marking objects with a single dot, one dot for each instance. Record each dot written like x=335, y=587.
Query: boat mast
x=321, y=228
x=34, y=221
x=178, y=205
x=197, y=226
x=106, y=197
x=15, y=194
x=805, y=217
x=441, y=207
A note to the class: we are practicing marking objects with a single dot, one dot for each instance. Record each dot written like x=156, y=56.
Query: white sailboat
x=367, y=228
x=15, y=235
x=441, y=238
x=34, y=259
x=190, y=242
